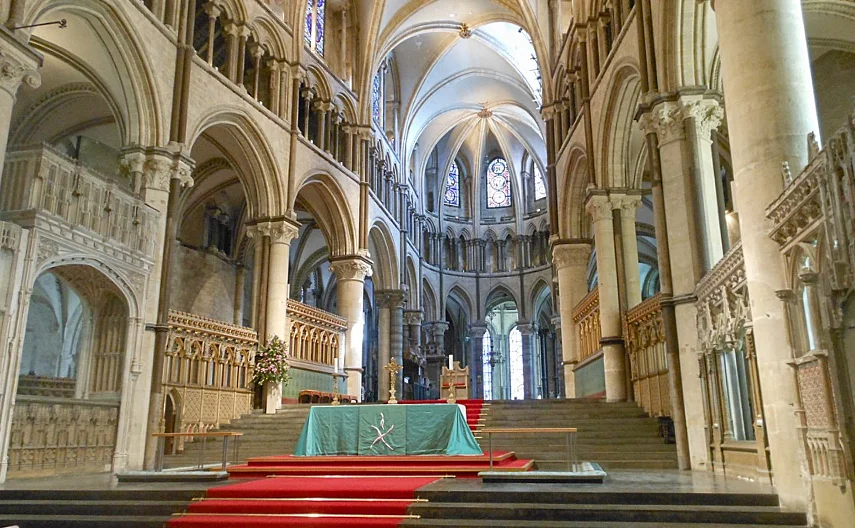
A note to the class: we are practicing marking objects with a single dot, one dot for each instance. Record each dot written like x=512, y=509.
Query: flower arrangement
x=271, y=363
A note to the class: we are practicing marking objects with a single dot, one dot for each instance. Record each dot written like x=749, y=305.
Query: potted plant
x=271, y=372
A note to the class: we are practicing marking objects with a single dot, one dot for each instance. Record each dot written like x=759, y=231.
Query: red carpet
x=319, y=502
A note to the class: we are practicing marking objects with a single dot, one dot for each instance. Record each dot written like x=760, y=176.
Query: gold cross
x=393, y=369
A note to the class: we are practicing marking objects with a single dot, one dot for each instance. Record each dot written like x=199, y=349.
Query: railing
x=316, y=336
x=41, y=178
x=586, y=317
x=644, y=333
x=56, y=435
x=206, y=372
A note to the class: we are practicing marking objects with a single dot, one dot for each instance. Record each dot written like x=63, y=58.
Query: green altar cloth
x=429, y=429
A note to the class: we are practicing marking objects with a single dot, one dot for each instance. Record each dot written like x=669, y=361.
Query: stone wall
x=203, y=284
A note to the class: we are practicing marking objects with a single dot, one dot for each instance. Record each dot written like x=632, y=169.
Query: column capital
x=351, y=268
x=525, y=328
x=413, y=317
x=391, y=298
x=477, y=330
x=665, y=117
x=436, y=328
x=282, y=231
x=19, y=63
x=599, y=207
x=160, y=165
x=570, y=254
x=627, y=203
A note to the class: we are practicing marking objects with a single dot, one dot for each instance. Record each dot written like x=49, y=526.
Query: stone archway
x=70, y=375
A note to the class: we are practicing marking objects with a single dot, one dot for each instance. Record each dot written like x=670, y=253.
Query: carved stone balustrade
x=43, y=179
x=316, y=337
x=207, y=371
x=644, y=333
x=586, y=317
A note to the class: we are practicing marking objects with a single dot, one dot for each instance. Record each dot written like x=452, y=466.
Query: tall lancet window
x=516, y=356
x=486, y=356
x=315, y=20
x=539, y=184
x=452, y=186
x=498, y=184
x=377, y=97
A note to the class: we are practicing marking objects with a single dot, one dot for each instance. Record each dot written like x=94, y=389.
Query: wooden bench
x=225, y=435
x=570, y=433
x=313, y=396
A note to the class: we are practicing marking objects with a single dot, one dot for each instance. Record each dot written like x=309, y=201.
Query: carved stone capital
x=525, y=328
x=413, y=317
x=391, y=298
x=163, y=165
x=707, y=114
x=351, y=268
x=14, y=71
x=571, y=255
x=477, y=330
x=666, y=121
x=282, y=231
x=599, y=208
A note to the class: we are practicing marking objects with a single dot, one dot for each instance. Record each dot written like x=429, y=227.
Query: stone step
x=494, y=523
x=554, y=495
x=83, y=521
x=756, y=515
x=91, y=507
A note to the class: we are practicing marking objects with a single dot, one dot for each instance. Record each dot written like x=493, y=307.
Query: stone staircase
x=618, y=436
x=461, y=504
x=97, y=508
x=263, y=435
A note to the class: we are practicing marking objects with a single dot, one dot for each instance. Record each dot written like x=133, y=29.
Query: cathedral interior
x=646, y=202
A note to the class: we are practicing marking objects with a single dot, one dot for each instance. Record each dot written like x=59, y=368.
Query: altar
x=397, y=430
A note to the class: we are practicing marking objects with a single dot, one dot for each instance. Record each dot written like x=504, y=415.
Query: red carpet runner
x=317, y=502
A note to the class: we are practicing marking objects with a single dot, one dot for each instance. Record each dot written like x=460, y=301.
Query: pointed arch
x=322, y=196
x=381, y=246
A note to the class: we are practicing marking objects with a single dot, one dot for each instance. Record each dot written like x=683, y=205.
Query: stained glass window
x=452, y=187
x=310, y=16
x=539, y=184
x=377, y=97
x=320, y=20
x=315, y=20
x=517, y=377
x=486, y=351
x=498, y=184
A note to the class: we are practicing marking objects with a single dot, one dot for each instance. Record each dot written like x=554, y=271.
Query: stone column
x=560, y=382
x=571, y=267
x=280, y=234
x=614, y=361
x=766, y=67
x=240, y=278
x=476, y=367
x=350, y=273
x=383, y=345
x=396, y=334
x=628, y=207
x=18, y=64
x=529, y=366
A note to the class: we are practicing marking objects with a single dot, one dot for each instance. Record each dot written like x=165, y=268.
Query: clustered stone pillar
x=383, y=345
x=396, y=335
x=614, y=361
x=571, y=261
x=350, y=274
x=765, y=61
x=529, y=367
x=476, y=368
